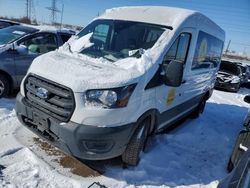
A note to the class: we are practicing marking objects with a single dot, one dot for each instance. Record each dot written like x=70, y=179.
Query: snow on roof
x=167, y=16
x=161, y=15
x=50, y=28
x=9, y=21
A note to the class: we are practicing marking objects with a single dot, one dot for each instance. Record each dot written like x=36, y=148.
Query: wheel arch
x=152, y=115
x=9, y=78
x=208, y=93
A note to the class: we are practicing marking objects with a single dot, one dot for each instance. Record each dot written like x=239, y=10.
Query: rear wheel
x=199, y=109
x=131, y=155
x=4, y=86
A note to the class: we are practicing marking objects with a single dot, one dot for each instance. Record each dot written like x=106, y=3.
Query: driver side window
x=179, y=49
x=40, y=43
x=101, y=32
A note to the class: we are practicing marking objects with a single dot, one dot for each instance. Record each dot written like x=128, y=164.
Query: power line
x=30, y=10
x=53, y=10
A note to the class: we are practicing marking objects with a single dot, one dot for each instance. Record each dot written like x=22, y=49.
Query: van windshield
x=115, y=39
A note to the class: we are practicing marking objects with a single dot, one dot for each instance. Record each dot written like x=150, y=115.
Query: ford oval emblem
x=42, y=93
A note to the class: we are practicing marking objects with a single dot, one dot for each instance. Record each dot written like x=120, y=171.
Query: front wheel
x=131, y=155
x=4, y=86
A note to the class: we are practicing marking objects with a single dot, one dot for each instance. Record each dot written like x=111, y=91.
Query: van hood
x=81, y=74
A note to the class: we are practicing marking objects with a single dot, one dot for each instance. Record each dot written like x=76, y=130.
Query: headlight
x=109, y=98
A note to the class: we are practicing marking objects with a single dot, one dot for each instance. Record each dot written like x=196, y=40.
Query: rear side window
x=208, y=51
x=65, y=37
x=40, y=43
x=179, y=49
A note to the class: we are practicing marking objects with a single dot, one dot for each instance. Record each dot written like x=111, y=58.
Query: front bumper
x=227, y=86
x=82, y=141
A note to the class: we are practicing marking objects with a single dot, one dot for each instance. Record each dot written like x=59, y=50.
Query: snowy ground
x=193, y=155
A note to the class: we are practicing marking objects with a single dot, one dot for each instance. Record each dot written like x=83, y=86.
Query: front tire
x=131, y=155
x=4, y=86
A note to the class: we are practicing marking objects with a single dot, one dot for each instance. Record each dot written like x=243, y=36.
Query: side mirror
x=247, y=99
x=21, y=49
x=173, y=73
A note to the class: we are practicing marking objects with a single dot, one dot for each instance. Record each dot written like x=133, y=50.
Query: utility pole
x=53, y=10
x=228, y=46
x=62, y=16
x=27, y=8
x=32, y=11
x=29, y=4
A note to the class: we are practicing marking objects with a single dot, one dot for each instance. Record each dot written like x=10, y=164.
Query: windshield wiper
x=136, y=53
x=109, y=59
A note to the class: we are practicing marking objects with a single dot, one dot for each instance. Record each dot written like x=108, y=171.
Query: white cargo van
x=128, y=74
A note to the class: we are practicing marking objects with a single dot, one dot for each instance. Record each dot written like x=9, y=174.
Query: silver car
x=19, y=45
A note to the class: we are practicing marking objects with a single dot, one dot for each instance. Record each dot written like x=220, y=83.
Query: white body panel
x=81, y=73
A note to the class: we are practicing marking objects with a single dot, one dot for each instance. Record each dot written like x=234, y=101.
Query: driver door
x=170, y=99
x=36, y=45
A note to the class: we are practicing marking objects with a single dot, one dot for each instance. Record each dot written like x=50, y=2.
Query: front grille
x=59, y=102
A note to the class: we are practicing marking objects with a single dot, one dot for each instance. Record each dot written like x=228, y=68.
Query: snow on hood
x=79, y=74
x=227, y=77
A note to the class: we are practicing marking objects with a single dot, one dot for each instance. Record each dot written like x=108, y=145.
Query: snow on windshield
x=120, y=72
x=114, y=40
x=81, y=43
x=128, y=49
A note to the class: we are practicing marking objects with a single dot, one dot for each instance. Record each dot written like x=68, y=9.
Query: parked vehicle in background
x=19, y=45
x=248, y=70
x=247, y=119
x=244, y=70
x=240, y=176
x=239, y=162
x=243, y=142
x=229, y=77
x=134, y=71
x=6, y=23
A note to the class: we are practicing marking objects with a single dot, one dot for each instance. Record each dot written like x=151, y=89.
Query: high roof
x=168, y=16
